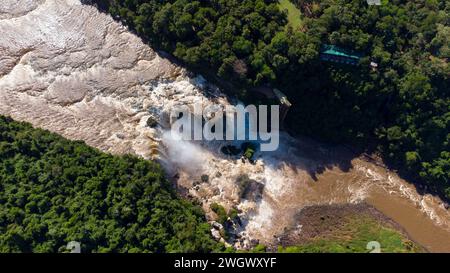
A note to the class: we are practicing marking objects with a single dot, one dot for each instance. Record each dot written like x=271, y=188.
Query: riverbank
x=112, y=83
x=345, y=228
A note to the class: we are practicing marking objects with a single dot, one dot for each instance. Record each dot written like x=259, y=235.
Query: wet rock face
x=67, y=68
x=249, y=189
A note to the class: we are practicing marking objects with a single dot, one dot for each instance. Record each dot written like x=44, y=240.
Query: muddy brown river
x=67, y=68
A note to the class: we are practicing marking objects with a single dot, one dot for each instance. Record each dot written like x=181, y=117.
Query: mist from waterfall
x=67, y=68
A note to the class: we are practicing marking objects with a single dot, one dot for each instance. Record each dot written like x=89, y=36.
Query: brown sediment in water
x=419, y=227
x=331, y=175
x=74, y=71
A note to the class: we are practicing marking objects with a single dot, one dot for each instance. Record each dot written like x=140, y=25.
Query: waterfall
x=67, y=68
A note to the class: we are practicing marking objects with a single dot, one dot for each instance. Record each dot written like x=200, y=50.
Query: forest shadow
x=324, y=163
x=341, y=157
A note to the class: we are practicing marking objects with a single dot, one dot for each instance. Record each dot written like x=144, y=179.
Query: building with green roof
x=332, y=53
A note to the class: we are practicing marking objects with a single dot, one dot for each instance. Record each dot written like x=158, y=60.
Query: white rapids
x=67, y=68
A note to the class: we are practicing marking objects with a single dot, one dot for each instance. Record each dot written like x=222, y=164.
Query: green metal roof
x=337, y=51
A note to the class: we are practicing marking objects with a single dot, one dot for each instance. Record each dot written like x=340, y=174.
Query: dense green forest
x=400, y=109
x=53, y=191
x=403, y=107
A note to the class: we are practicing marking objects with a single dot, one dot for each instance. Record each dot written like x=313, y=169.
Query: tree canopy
x=402, y=107
x=400, y=110
x=54, y=191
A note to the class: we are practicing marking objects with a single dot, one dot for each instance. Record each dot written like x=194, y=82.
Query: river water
x=67, y=68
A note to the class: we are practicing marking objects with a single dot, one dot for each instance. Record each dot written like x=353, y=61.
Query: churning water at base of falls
x=67, y=68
